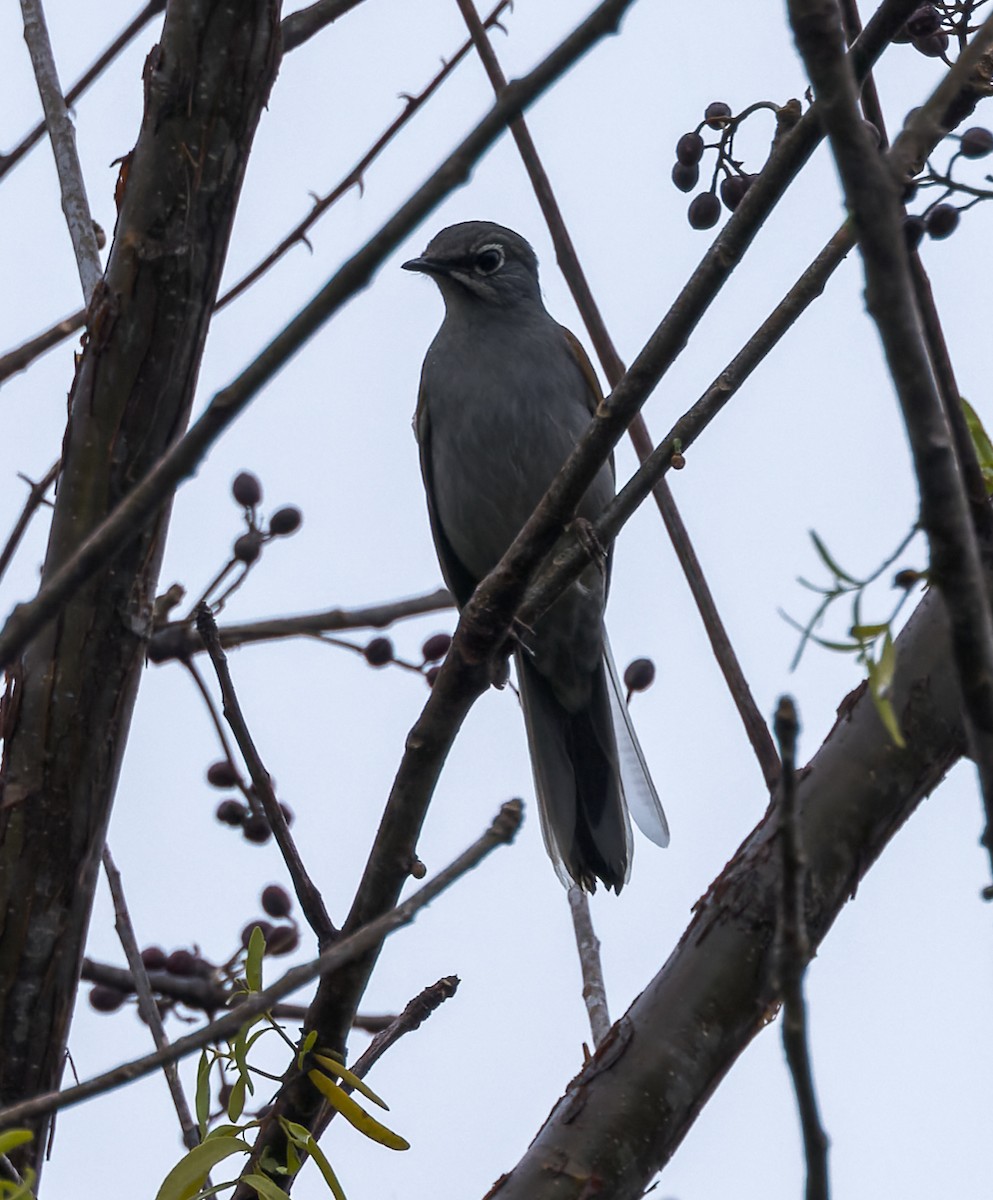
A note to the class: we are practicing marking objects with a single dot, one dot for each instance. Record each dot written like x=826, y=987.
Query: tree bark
x=68, y=708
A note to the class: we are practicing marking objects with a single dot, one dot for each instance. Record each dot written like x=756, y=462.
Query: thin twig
x=180, y=640
x=130, y=31
x=149, y=494
x=500, y=833
x=146, y=1001
x=791, y=955
x=35, y=499
x=588, y=946
x=354, y=178
x=60, y=129
x=871, y=194
x=301, y=25
x=412, y=1017
x=21, y=357
x=307, y=893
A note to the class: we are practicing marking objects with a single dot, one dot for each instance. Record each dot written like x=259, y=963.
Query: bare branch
x=180, y=640
x=21, y=357
x=306, y=891
x=60, y=129
x=36, y=498
x=791, y=954
x=146, y=1001
x=588, y=945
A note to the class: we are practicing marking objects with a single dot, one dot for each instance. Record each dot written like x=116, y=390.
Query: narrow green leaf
x=203, y=1092
x=868, y=633
x=265, y=1187
x=981, y=442
x=253, y=960
x=13, y=1138
x=334, y=1067
x=356, y=1115
x=828, y=561
x=325, y=1168
x=187, y=1176
x=236, y=1101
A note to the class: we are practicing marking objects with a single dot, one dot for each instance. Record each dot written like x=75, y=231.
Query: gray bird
x=506, y=392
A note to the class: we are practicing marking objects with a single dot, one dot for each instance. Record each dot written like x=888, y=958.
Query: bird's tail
x=577, y=779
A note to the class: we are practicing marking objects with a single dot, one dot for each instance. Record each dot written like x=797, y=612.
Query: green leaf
x=187, y=1176
x=868, y=633
x=253, y=960
x=203, y=1092
x=356, y=1115
x=981, y=443
x=880, y=683
x=319, y=1157
x=265, y=1187
x=308, y=1044
x=13, y=1138
x=828, y=561
x=334, y=1067
x=236, y=1101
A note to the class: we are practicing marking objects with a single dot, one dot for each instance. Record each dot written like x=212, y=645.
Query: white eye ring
x=490, y=258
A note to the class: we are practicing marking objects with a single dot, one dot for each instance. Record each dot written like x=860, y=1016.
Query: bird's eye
x=489, y=259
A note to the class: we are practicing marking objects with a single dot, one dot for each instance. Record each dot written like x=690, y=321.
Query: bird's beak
x=427, y=266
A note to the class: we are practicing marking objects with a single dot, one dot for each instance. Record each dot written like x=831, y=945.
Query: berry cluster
x=940, y=219
x=209, y=986
x=247, y=491
x=924, y=30
x=729, y=179
x=247, y=814
x=380, y=652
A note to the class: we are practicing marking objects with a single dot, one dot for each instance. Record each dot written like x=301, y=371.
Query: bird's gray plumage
x=506, y=392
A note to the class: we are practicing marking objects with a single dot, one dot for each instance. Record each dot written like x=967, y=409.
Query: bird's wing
x=639, y=791
x=460, y=583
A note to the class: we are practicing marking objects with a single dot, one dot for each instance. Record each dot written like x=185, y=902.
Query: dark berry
x=288, y=815
x=639, y=675
x=685, y=176
x=689, y=149
x=976, y=142
x=436, y=647
x=677, y=462
x=181, y=962
x=246, y=933
x=154, y=958
x=285, y=521
x=913, y=231
x=716, y=113
x=222, y=774
x=284, y=939
x=733, y=188
x=231, y=812
x=932, y=46
x=417, y=869
x=256, y=829
x=379, y=652
x=704, y=211
x=106, y=999
x=246, y=489
x=276, y=901
x=942, y=220
x=431, y=674
x=909, y=190
x=906, y=578
x=248, y=547
x=923, y=21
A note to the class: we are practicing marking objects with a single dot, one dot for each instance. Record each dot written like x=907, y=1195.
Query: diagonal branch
x=872, y=196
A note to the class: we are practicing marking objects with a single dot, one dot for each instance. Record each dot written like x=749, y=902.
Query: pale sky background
x=899, y=995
